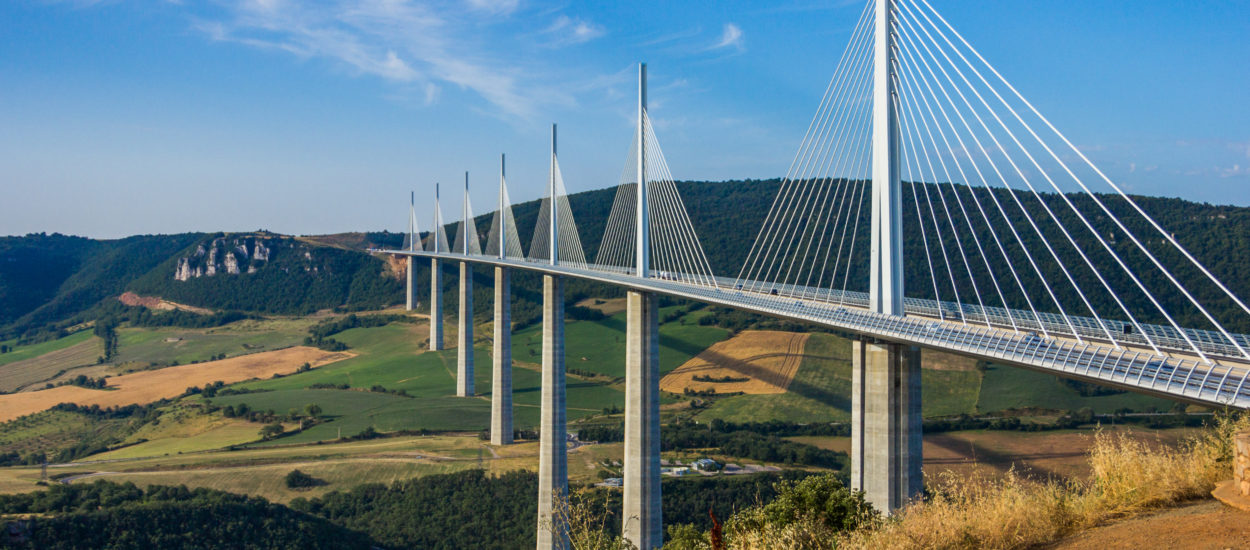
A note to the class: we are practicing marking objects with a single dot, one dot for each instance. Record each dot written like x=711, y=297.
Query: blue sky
x=123, y=117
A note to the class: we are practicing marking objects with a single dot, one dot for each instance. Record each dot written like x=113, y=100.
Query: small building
x=705, y=465
x=611, y=482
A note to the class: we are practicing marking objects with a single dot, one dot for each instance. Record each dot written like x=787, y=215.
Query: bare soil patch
x=148, y=386
x=753, y=362
x=1203, y=525
x=156, y=303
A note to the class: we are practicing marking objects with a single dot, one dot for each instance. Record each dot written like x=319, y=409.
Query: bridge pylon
x=885, y=391
x=642, y=522
x=410, y=284
x=501, y=372
x=553, y=472
x=464, y=350
x=436, y=280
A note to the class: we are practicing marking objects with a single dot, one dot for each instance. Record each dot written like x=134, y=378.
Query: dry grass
x=148, y=386
x=938, y=360
x=1129, y=476
x=767, y=359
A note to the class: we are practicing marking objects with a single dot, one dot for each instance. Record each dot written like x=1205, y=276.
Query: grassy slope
x=149, y=345
x=599, y=346
x=51, y=430
x=1008, y=387
x=34, y=350
x=38, y=362
x=390, y=357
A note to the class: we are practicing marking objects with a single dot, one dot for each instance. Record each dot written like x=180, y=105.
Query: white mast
x=643, y=229
x=886, y=284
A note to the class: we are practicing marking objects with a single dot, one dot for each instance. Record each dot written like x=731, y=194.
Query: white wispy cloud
x=731, y=37
x=566, y=31
x=421, y=45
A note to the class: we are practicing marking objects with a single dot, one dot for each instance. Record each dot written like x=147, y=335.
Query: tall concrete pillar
x=464, y=353
x=642, y=521
x=886, y=451
x=501, y=375
x=411, y=298
x=436, y=305
x=553, y=475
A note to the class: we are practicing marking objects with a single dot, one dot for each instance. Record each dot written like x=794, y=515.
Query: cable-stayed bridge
x=929, y=205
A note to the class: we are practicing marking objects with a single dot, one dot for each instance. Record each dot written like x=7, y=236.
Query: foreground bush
x=806, y=514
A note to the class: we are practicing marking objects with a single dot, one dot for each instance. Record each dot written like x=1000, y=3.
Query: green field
x=19, y=353
x=599, y=346
x=391, y=357
x=260, y=471
x=27, y=365
x=1010, y=387
x=140, y=347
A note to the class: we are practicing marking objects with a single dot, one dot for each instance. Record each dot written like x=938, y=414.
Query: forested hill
x=54, y=280
x=50, y=282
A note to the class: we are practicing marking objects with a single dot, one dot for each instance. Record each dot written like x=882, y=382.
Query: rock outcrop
x=227, y=257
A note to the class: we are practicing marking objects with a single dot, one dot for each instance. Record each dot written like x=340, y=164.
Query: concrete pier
x=553, y=476
x=885, y=423
x=642, y=521
x=436, y=306
x=501, y=374
x=411, y=299
x=464, y=351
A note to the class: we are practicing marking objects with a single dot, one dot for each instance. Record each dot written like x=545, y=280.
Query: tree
x=271, y=431
x=300, y=480
x=313, y=410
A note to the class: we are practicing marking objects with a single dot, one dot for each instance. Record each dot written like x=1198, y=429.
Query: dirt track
x=148, y=386
x=1204, y=525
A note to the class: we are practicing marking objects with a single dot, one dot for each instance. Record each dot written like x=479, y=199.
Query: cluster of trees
x=710, y=392
x=84, y=381
x=110, y=515
x=106, y=329
x=319, y=335
x=819, y=507
x=461, y=510
x=722, y=379
x=473, y=510
x=740, y=443
x=14, y=458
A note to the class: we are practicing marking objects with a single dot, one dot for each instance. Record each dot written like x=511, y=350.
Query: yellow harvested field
x=148, y=386
x=753, y=362
x=608, y=306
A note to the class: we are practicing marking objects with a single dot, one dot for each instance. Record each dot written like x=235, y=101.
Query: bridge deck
x=1220, y=382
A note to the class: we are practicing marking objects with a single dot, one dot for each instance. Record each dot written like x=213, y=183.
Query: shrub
x=300, y=480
